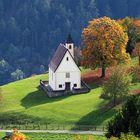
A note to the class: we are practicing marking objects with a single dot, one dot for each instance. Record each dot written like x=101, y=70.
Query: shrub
x=15, y=135
x=135, y=74
x=18, y=136
x=78, y=137
x=123, y=136
x=114, y=138
x=129, y=136
x=117, y=84
x=127, y=119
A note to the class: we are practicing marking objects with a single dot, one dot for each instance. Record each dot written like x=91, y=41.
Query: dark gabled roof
x=69, y=39
x=57, y=58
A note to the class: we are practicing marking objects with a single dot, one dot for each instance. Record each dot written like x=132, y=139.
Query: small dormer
x=70, y=45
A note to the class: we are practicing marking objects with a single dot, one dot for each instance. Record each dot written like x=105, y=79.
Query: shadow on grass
x=97, y=117
x=17, y=118
x=94, y=86
x=39, y=97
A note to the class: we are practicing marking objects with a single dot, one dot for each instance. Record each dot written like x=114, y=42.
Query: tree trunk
x=103, y=72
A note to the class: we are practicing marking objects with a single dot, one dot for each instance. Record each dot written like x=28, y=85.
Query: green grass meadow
x=23, y=101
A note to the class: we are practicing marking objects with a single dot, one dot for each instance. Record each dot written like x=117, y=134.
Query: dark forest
x=31, y=30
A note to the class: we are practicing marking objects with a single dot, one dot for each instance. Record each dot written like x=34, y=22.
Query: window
x=67, y=75
x=75, y=85
x=69, y=46
x=60, y=86
x=67, y=59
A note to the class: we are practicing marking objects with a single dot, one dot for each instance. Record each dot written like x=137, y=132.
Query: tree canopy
x=104, y=44
x=30, y=30
x=117, y=85
x=127, y=119
x=130, y=27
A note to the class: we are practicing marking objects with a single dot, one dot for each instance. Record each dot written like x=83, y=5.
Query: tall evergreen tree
x=119, y=8
x=31, y=30
x=94, y=12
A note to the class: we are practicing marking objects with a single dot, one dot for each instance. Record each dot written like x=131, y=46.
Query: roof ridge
x=58, y=56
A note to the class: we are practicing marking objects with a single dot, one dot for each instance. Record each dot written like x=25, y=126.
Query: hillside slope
x=25, y=101
x=31, y=30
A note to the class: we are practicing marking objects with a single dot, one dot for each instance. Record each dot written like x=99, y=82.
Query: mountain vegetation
x=132, y=31
x=23, y=102
x=31, y=30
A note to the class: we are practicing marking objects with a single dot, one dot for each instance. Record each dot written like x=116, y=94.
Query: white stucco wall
x=61, y=80
x=51, y=79
x=60, y=74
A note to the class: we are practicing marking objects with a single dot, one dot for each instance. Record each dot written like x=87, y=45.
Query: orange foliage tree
x=131, y=26
x=17, y=135
x=104, y=44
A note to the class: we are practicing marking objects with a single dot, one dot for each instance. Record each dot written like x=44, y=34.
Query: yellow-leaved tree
x=131, y=26
x=104, y=44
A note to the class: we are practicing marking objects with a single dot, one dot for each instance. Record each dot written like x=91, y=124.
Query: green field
x=23, y=101
x=54, y=136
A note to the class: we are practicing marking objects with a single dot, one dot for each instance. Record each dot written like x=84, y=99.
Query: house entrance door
x=67, y=86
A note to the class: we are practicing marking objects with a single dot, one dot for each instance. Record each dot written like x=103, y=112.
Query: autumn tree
x=104, y=44
x=15, y=135
x=133, y=34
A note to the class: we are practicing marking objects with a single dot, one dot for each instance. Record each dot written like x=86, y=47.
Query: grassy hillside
x=25, y=101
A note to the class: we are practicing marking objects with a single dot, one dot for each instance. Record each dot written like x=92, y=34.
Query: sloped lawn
x=25, y=101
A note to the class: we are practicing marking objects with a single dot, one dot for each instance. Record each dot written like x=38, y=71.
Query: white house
x=64, y=74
